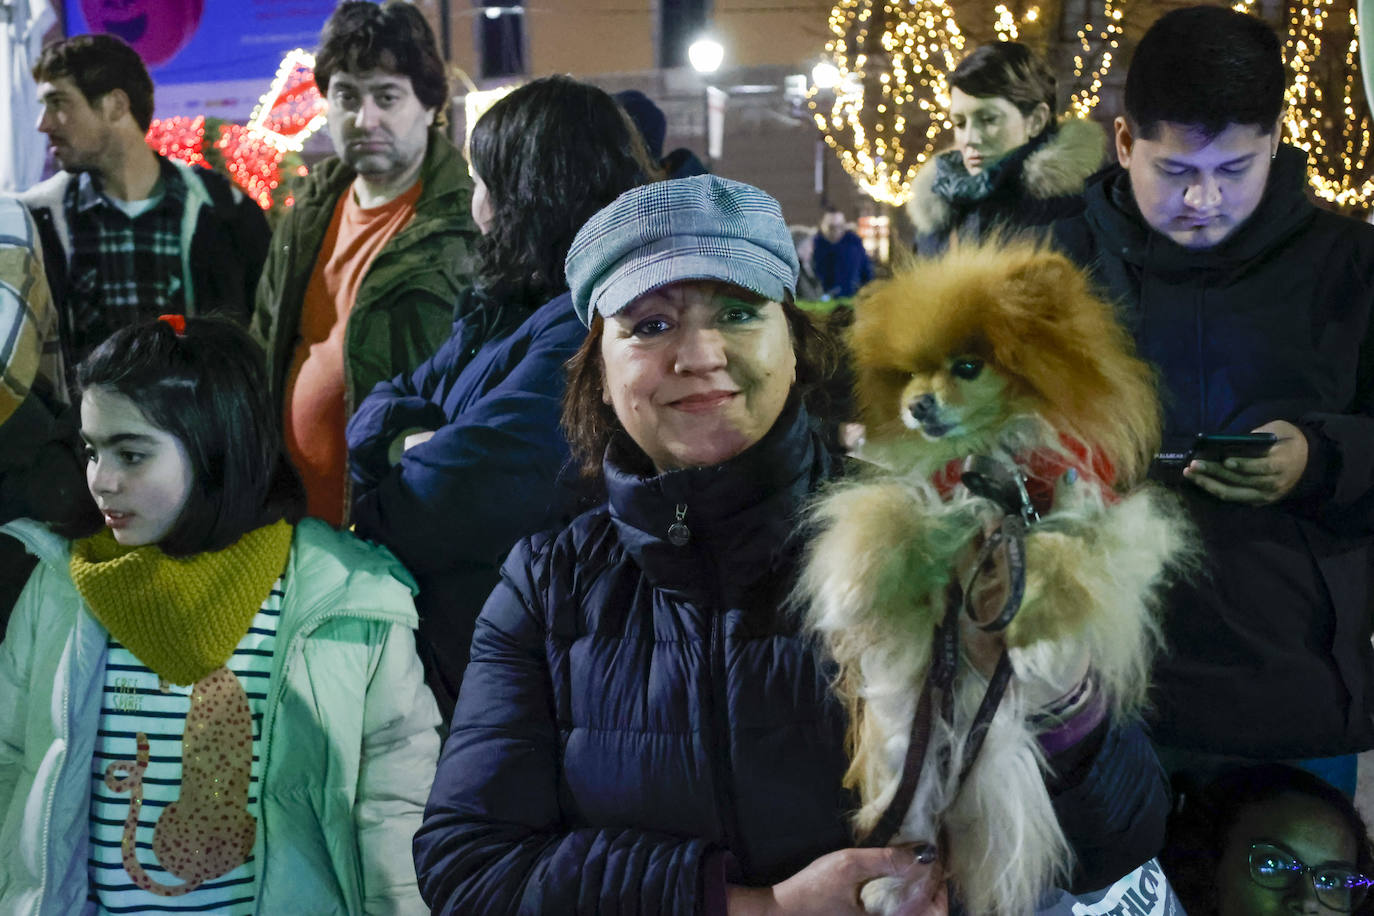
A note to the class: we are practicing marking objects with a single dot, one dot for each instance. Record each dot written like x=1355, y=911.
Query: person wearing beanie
x=647, y=117
x=653, y=127
x=210, y=703
x=642, y=728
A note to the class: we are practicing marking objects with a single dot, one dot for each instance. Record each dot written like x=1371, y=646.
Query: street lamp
x=825, y=75
x=706, y=54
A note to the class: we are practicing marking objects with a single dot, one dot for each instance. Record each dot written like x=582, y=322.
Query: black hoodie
x=1269, y=649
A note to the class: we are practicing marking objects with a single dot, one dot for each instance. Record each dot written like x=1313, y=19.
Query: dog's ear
x=1043, y=274
x=1035, y=326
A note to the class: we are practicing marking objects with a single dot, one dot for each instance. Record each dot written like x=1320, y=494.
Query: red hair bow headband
x=178, y=323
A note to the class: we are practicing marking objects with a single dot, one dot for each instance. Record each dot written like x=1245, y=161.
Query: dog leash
x=1005, y=487
x=941, y=677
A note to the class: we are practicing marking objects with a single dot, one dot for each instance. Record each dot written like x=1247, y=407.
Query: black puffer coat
x=1269, y=650
x=635, y=710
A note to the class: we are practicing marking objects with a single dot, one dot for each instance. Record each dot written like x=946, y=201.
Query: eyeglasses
x=1276, y=869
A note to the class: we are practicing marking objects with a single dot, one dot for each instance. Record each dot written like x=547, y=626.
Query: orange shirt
x=314, y=416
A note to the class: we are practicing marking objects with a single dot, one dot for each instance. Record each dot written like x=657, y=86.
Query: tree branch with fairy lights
x=1326, y=112
x=889, y=103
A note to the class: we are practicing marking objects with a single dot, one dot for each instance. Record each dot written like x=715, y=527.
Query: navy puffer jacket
x=637, y=715
x=495, y=471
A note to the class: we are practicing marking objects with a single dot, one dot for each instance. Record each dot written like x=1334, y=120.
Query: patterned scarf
x=956, y=185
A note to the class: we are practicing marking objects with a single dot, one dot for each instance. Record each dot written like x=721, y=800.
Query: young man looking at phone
x=1255, y=306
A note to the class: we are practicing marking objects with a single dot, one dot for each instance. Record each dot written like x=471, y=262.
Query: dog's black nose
x=922, y=406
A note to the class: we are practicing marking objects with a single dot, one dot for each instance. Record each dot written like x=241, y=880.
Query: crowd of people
x=433, y=551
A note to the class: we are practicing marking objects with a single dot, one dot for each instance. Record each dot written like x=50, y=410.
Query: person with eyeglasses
x=1336, y=885
x=1269, y=839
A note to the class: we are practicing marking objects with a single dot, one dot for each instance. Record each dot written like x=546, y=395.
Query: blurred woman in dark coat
x=1013, y=165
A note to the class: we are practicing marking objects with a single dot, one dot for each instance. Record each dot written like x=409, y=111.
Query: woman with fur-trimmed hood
x=1012, y=165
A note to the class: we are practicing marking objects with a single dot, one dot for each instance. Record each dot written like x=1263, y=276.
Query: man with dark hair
x=128, y=234
x=364, y=271
x=1255, y=306
x=838, y=257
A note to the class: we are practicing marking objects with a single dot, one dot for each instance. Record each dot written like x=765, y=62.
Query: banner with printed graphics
x=206, y=57
x=1143, y=892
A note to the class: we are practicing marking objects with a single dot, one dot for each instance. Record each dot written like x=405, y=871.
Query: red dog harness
x=1043, y=468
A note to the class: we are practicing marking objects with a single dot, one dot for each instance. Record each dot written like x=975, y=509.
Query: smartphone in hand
x=1220, y=446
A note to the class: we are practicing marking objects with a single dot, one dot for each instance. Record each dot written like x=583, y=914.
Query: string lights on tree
x=888, y=105
x=1326, y=113
x=1008, y=26
x=890, y=101
x=1096, y=50
x=1097, y=44
x=256, y=154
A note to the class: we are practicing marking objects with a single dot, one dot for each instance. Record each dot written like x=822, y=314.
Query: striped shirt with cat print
x=134, y=701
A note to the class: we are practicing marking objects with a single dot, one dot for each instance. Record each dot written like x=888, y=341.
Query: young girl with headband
x=211, y=704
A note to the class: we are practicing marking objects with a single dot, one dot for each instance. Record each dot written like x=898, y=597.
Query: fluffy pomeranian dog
x=999, y=351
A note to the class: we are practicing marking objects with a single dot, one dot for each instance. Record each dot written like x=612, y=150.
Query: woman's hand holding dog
x=1256, y=481
x=830, y=885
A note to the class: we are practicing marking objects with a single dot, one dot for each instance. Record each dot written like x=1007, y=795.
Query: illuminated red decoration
x=293, y=108
x=253, y=156
x=179, y=138
x=252, y=161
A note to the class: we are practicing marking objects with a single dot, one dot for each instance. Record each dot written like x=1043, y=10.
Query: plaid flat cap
x=701, y=228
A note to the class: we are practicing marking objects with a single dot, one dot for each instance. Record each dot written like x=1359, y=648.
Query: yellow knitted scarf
x=180, y=617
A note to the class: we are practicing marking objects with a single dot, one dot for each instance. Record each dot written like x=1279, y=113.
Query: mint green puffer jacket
x=348, y=751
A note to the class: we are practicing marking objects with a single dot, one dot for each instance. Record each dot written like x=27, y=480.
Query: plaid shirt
x=122, y=271
x=28, y=322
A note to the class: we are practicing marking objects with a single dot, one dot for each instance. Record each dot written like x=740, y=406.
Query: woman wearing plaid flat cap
x=641, y=728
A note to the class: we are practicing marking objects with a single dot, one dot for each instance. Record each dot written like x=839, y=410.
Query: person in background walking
x=838, y=257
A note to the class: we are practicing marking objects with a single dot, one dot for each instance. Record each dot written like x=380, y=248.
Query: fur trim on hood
x=1058, y=169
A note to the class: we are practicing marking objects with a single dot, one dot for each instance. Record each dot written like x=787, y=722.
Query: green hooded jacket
x=348, y=744
x=404, y=309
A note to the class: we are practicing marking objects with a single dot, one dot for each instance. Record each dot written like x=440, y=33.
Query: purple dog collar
x=1076, y=728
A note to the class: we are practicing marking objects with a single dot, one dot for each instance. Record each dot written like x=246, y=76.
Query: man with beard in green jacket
x=362, y=276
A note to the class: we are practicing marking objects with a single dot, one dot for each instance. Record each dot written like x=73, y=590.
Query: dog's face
x=962, y=397
x=970, y=351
